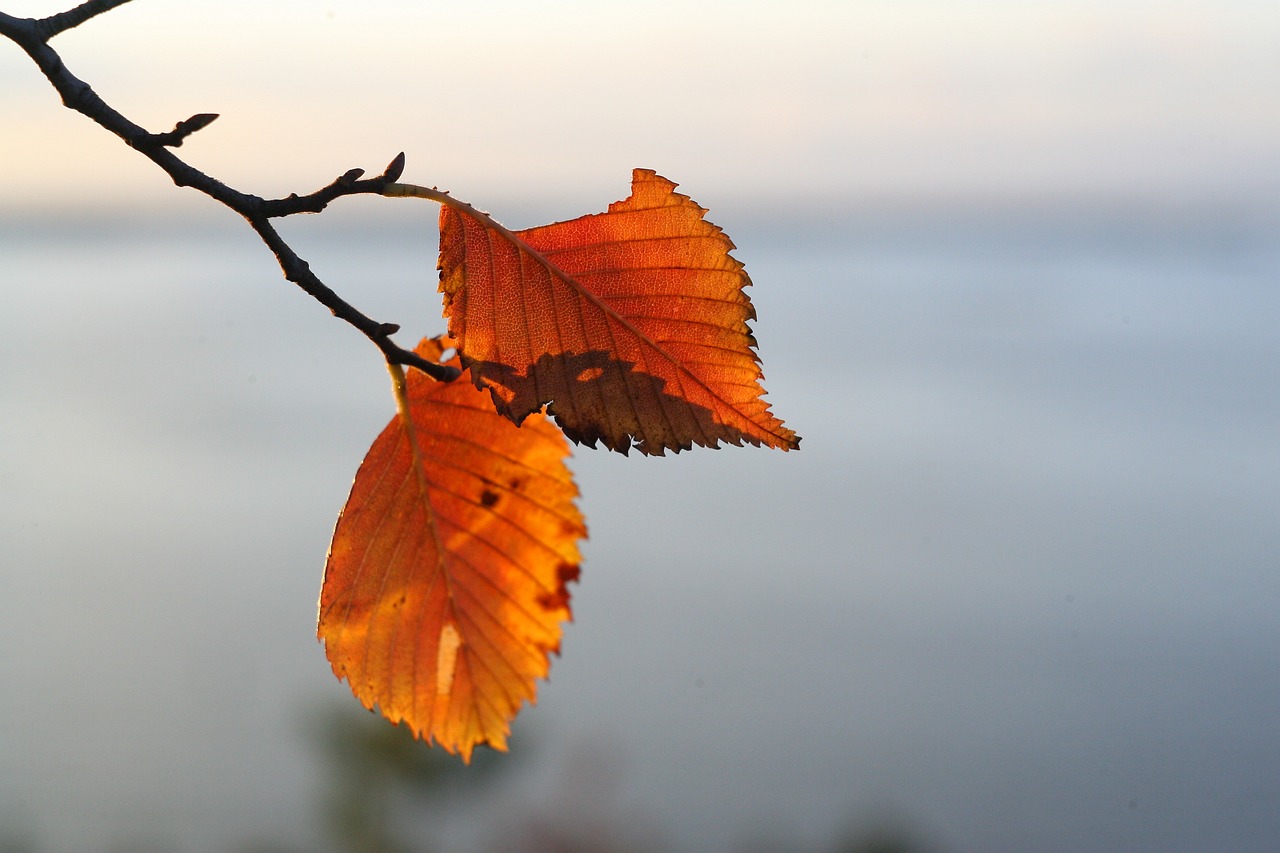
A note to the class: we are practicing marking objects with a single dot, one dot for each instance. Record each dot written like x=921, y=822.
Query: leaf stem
x=400, y=387
x=399, y=190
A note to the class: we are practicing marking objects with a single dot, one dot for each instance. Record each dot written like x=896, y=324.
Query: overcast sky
x=493, y=98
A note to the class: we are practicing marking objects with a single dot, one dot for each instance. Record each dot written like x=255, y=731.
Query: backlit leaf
x=446, y=582
x=631, y=323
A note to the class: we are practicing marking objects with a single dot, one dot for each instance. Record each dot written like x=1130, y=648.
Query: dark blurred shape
x=882, y=836
x=875, y=835
x=374, y=767
x=583, y=809
x=383, y=788
x=267, y=846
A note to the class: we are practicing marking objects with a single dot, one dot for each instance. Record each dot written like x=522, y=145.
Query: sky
x=807, y=99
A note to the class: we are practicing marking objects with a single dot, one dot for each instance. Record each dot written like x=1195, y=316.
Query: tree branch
x=183, y=129
x=33, y=37
x=49, y=27
x=345, y=184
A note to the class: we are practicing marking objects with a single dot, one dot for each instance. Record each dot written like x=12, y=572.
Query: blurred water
x=1016, y=591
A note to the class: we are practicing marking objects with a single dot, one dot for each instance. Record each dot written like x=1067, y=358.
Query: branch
x=63, y=21
x=33, y=36
x=183, y=129
x=299, y=272
x=345, y=184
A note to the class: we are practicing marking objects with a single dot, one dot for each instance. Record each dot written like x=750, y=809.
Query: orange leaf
x=632, y=323
x=445, y=586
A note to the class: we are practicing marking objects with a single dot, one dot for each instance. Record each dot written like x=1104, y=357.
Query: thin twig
x=33, y=36
x=345, y=184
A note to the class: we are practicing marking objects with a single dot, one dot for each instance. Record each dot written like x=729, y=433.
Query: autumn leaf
x=632, y=324
x=446, y=582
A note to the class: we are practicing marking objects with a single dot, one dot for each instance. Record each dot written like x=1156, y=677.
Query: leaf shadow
x=595, y=397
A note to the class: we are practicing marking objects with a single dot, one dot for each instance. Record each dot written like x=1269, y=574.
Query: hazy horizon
x=1014, y=591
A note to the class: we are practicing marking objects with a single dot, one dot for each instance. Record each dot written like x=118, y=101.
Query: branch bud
x=394, y=169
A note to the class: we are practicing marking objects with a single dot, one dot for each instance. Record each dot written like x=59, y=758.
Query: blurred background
x=1015, y=266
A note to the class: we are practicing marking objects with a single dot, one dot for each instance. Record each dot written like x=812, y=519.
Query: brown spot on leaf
x=566, y=573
